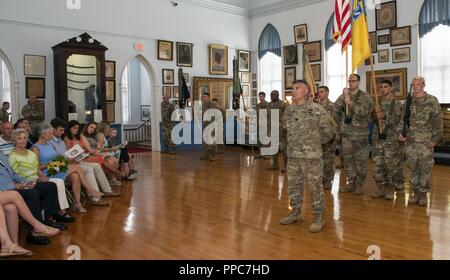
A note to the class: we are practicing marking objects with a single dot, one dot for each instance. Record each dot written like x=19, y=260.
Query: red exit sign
x=139, y=47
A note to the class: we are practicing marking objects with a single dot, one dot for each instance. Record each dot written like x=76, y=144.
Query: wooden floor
x=183, y=208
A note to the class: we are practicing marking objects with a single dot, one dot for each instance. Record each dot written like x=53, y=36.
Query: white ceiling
x=250, y=4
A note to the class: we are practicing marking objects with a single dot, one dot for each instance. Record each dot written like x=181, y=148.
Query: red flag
x=342, y=27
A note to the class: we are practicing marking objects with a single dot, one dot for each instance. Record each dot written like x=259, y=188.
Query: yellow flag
x=308, y=75
x=360, y=35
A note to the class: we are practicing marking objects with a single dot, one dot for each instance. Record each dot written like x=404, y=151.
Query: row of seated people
x=24, y=171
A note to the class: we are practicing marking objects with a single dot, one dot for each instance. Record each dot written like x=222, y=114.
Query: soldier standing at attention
x=209, y=149
x=277, y=104
x=166, y=117
x=354, y=130
x=221, y=147
x=422, y=135
x=328, y=149
x=308, y=126
x=32, y=112
x=387, y=155
x=262, y=105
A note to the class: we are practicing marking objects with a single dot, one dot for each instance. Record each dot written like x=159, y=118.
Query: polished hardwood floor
x=183, y=208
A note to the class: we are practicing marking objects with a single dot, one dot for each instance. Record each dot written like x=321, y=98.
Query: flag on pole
x=342, y=27
x=237, y=88
x=183, y=89
x=308, y=75
x=360, y=35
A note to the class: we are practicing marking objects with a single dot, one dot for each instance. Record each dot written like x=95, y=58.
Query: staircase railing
x=138, y=135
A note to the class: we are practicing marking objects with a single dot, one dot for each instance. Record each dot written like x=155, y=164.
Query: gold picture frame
x=398, y=77
x=110, y=112
x=400, y=36
x=184, y=54
x=401, y=55
x=301, y=33
x=35, y=86
x=218, y=59
x=316, y=70
x=386, y=15
x=110, y=90
x=219, y=88
x=110, y=69
x=313, y=50
x=290, y=75
x=165, y=50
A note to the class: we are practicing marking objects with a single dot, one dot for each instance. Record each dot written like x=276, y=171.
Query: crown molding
x=218, y=6
x=280, y=6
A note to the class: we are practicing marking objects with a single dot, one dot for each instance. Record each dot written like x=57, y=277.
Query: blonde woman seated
x=11, y=205
x=90, y=144
x=46, y=153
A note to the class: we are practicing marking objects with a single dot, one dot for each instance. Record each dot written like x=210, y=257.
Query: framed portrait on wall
x=400, y=36
x=145, y=112
x=218, y=59
x=245, y=90
x=401, y=55
x=35, y=86
x=168, y=77
x=373, y=42
x=301, y=33
x=175, y=92
x=165, y=50
x=220, y=88
x=110, y=69
x=317, y=72
x=290, y=54
x=386, y=15
x=184, y=54
x=290, y=75
x=383, y=56
x=244, y=61
x=245, y=78
x=383, y=39
x=34, y=65
x=167, y=90
x=398, y=77
x=111, y=90
x=313, y=50
x=110, y=112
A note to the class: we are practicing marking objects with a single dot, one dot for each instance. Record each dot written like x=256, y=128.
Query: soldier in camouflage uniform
x=277, y=104
x=4, y=114
x=32, y=112
x=354, y=130
x=209, y=150
x=166, y=117
x=387, y=155
x=262, y=105
x=308, y=126
x=329, y=149
x=221, y=147
x=423, y=134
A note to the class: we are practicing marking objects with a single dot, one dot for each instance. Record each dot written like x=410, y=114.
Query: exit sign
x=139, y=47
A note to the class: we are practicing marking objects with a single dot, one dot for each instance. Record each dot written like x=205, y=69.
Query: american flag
x=342, y=28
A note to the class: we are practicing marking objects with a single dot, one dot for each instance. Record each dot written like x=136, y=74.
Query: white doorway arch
x=14, y=86
x=156, y=146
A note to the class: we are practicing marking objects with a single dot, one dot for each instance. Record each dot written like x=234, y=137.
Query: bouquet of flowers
x=59, y=164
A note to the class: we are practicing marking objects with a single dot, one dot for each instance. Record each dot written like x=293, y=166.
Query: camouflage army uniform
x=4, y=115
x=355, y=138
x=37, y=114
x=210, y=150
x=308, y=126
x=280, y=106
x=261, y=106
x=425, y=127
x=166, y=116
x=329, y=151
x=387, y=153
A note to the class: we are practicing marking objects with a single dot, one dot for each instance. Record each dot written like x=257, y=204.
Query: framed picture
x=254, y=101
x=245, y=78
x=373, y=42
x=401, y=55
x=167, y=90
x=386, y=15
x=398, y=77
x=34, y=65
x=175, y=92
x=367, y=61
x=35, y=87
x=220, y=88
x=383, y=56
x=400, y=36
x=313, y=50
x=168, y=76
x=111, y=90
x=218, y=60
x=110, y=112
x=184, y=54
x=317, y=72
x=165, y=50
x=186, y=77
x=301, y=33
x=383, y=39
x=254, y=76
x=290, y=55
x=244, y=61
x=145, y=112
x=245, y=90
x=290, y=75
x=110, y=69
x=254, y=84
x=254, y=93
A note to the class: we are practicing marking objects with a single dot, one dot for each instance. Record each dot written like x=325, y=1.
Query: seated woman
x=122, y=154
x=12, y=204
x=90, y=144
x=46, y=153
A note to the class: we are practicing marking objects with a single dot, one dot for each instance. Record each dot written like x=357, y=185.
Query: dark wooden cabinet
x=79, y=65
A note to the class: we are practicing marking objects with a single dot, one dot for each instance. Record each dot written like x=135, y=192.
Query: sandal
x=80, y=209
x=48, y=232
x=15, y=250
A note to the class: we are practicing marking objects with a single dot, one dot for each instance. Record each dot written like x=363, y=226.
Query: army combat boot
x=390, y=193
x=415, y=198
x=293, y=217
x=359, y=190
x=327, y=185
x=349, y=187
x=318, y=222
x=423, y=199
x=381, y=192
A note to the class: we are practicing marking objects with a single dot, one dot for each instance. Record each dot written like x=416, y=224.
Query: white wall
x=33, y=27
x=316, y=17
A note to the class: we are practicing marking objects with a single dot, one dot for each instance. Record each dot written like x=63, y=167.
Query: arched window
x=434, y=33
x=269, y=54
x=335, y=77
